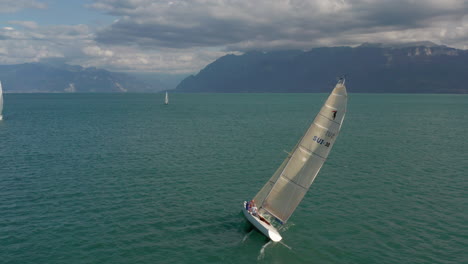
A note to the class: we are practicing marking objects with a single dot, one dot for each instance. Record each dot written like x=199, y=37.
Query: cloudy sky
x=183, y=36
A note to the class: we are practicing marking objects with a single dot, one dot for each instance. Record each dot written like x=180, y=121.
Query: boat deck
x=262, y=225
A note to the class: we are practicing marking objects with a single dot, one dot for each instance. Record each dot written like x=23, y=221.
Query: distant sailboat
x=286, y=188
x=1, y=101
x=166, y=99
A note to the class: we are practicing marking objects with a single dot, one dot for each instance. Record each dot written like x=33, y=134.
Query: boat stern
x=268, y=230
x=275, y=237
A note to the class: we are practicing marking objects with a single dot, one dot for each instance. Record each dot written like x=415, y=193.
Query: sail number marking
x=321, y=141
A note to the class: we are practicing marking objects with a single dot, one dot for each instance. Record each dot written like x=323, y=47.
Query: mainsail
x=1, y=100
x=284, y=191
x=166, y=99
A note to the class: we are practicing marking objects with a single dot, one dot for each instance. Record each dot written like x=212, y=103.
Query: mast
x=285, y=190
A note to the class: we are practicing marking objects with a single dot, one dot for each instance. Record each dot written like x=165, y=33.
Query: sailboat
x=280, y=196
x=166, y=99
x=1, y=101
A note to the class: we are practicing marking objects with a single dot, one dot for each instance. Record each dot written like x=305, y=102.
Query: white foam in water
x=282, y=243
x=247, y=235
x=261, y=255
x=285, y=227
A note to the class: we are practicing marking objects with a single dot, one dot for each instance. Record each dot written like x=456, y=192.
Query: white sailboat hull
x=268, y=230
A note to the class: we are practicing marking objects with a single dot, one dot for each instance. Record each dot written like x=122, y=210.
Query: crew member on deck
x=253, y=207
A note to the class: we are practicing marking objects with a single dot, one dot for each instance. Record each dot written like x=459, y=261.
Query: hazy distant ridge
x=375, y=68
x=44, y=77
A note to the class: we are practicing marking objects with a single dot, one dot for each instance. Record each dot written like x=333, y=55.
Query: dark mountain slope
x=372, y=68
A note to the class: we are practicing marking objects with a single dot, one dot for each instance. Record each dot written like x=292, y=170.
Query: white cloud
x=181, y=36
x=70, y=89
x=76, y=45
x=26, y=24
x=11, y=6
x=124, y=58
x=97, y=51
x=266, y=24
x=34, y=43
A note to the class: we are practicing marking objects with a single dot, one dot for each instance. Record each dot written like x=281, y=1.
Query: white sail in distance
x=166, y=99
x=1, y=101
x=286, y=188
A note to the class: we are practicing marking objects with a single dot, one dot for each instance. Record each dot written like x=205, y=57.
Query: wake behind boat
x=280, y=196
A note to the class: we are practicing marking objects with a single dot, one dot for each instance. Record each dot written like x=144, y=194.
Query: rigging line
x=283, y=168
x=324, y=159
x=268, y=211
x=317, y=124
x=288, y=247
x=271, y=181
x=310, y=152
x=329, y=106
x=335, y=94
x=290, y=180
x=329, y=119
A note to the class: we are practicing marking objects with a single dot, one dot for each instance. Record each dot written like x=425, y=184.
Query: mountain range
x=50, y=77
x=370, y=68
x=422, y=67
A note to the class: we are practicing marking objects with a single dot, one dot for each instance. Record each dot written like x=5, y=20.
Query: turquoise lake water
x=122, y=178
